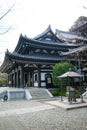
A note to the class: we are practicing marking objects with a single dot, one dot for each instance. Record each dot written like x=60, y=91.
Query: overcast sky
x=32, y=17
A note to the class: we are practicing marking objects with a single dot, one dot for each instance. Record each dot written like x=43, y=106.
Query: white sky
x=32, y=17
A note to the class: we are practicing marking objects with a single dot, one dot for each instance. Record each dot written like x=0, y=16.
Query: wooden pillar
x=39, y=76
x=13, y=78
x=29, y=80
x=21, y=77
x=32, y=79
x=9, y=79
x=17, y=79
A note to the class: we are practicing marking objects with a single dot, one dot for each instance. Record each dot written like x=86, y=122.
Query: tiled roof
x=71, y=51
x=39, y=57
x=69, y=35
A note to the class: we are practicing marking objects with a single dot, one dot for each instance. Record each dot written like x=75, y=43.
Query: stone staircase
x=39, y=93
x=28, y=93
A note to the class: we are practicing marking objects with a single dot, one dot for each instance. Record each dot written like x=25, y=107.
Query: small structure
x=71, y=91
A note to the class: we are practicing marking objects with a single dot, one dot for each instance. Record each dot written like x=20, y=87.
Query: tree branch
x=6, y=12
x=6, y=30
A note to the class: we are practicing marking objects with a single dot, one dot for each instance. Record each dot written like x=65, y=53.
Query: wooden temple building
x=30, y=64
x=77, y=56
x=71, y=37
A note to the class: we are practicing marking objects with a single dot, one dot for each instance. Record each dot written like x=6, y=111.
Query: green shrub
x=55, y=93
x=59, y=69
x=58, y=92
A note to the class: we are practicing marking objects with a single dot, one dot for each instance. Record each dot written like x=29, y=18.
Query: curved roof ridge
x=19, y=42
x=44, y=32
x=25, y=40
x=75, y=50
x=33, y=56
x=70, y=35
x=51, y=43
x=57, y=30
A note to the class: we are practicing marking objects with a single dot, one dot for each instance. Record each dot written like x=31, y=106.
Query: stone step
x=31, y=93
x=39, y=93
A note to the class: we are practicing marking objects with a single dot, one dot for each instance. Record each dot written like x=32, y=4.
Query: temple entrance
x=31, y=79
x=26, y=80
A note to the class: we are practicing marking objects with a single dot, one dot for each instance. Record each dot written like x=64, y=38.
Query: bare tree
x=2, y=27
x=5, y=27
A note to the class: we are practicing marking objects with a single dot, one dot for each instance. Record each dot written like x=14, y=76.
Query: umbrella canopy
x=70, y=74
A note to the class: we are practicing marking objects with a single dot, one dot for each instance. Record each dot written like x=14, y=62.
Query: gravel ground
x=52, y=119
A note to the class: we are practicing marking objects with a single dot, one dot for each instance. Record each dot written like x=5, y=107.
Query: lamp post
x=61, y=89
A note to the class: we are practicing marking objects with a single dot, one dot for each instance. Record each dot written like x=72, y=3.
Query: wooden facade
x=30, y=64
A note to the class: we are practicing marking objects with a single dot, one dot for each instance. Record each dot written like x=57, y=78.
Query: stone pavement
x=8, y=108
x=24, y=110
x=40, y=115
x=66, y=105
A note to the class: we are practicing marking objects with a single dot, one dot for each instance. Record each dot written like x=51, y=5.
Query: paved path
x=25, y=110
x=39, y=115
x=66, y=105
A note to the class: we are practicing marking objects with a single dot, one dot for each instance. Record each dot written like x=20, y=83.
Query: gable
x=48, y=36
